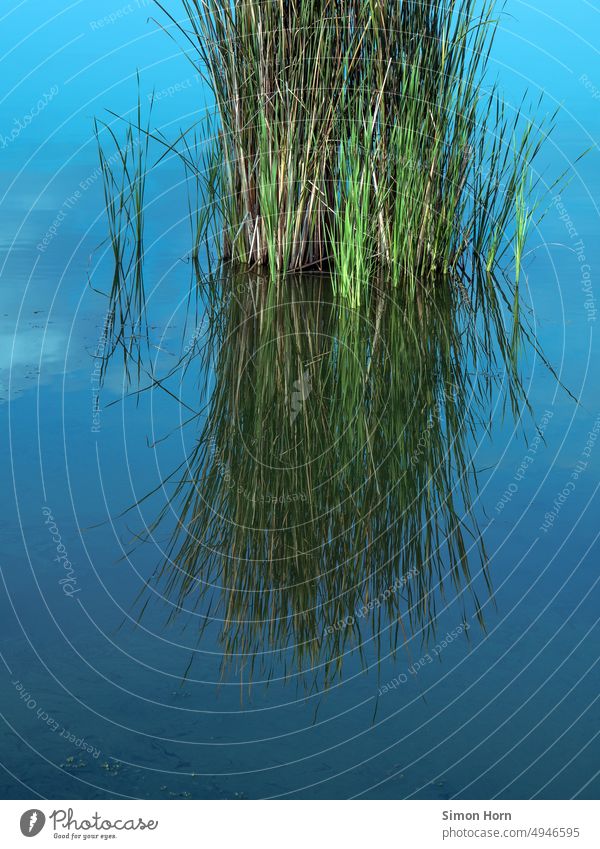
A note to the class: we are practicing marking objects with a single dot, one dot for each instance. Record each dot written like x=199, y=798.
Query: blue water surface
x=93, y=706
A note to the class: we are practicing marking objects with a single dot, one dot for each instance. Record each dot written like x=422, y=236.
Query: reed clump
x=361, y=138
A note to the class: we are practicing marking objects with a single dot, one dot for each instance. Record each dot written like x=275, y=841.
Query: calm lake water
x=108, y=691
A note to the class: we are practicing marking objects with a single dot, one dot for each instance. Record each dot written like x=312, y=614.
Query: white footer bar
x=302, y=824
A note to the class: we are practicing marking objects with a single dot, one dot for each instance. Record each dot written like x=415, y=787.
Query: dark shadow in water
x=327, y=506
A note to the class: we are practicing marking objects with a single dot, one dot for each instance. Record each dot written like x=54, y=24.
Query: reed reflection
x=327, y=507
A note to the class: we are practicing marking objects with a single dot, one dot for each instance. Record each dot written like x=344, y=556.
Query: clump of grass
x=360, y=139
x=356, y=136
